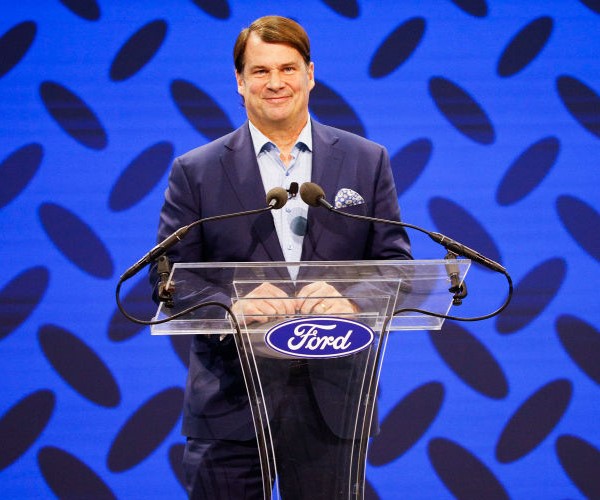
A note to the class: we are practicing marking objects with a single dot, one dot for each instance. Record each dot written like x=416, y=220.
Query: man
x=278, y=145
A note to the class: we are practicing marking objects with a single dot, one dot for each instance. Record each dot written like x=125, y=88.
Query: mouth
x=278, y=99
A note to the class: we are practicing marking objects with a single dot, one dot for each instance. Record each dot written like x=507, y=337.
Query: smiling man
x=278, y=145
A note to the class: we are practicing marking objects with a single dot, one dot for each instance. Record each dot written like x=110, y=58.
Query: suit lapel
x=241, y=168
x=327, y=163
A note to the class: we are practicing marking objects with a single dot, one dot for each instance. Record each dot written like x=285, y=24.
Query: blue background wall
x=491, y=114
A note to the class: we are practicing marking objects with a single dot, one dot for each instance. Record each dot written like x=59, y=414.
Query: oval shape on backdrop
x=219, y=9
x=69, y=477
x=462, y=472
x=141, y=176
x=76, y=240
x=73, y=115
x=581, y=341
x=346, y=8
x=79, y=366
x=397, y=48
x=331, y=108
x=138, y=50
x=582, y=222
x=527, y=172
x=525, y=46
x=581, y=101
x=319, y=337
x=581, y=461
x=86, y=9
x=463, y=112
x=406, y=423
x=20, y=297
x=475, y=8
x=15, y=44
x=23, y=423
x=534, y=420
x=136, y=441
x=17, y=170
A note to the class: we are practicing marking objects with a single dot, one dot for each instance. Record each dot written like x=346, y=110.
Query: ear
x=311, y=75
x=240, y=83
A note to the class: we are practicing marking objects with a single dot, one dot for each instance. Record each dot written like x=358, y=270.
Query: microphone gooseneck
x=313, y=195
x=276, y=198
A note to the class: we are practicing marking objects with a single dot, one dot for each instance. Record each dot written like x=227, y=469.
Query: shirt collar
x=260, y=140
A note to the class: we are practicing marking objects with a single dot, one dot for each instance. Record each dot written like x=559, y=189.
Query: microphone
x=276, y=198
x=293, y=190
x=313, y=195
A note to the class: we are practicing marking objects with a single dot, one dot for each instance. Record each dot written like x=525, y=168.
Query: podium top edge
x=329, y=263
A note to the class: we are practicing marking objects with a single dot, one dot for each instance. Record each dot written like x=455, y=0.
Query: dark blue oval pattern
x=137, y=440
x=410, y=162
x=582, y=222
x=534, y=420
x=138, y=50
x=141, y=176
x=476, y=8
x=76, y=240
x=581, y=461
x=470, y=360
x=582, y=343
x=528, y=171
x=581, y=101
x=79, y=366
x=406, y=423
x=17, y=170
x=327, y=104
x=20, y=296
x=86, y=9
x=200, y=110
x=532, y=294
x=593, y=5
x=455, y=222
x=216, y=8
x=525, y=46
x=461, y=110
x=73, y=115
x=14, y=44
x=69, y=477
x=22, y=424
x=346, y=8
x=463, y=473
x=397, y=47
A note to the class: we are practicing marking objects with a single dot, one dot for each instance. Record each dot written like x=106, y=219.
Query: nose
x=275, y=81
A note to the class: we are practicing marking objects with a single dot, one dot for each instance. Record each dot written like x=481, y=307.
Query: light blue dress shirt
x=290, y=221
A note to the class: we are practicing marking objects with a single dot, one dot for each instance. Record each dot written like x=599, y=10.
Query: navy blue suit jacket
x=223, y=177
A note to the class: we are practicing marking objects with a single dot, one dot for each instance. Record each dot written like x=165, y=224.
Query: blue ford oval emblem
x=319, y=337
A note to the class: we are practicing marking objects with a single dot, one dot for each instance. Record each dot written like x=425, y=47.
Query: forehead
x=260, y=53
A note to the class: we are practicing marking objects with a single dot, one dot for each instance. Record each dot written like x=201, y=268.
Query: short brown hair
x=272, y=29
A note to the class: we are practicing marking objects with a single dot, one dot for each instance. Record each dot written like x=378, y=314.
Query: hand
x=320, y=297
x=268, y=303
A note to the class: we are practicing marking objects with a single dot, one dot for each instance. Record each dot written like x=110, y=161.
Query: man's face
x=275, y=85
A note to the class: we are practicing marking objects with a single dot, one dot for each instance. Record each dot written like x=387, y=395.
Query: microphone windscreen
x=277, y=197
x=311, y=193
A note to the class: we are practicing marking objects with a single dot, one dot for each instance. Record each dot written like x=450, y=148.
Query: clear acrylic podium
x=313, y=407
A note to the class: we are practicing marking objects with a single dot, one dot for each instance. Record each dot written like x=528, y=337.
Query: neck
x=283, y=137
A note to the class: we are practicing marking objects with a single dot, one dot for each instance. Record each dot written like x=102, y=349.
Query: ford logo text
x=320, y=337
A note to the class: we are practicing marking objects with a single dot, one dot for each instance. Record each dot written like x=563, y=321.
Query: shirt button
x=290, y=247
x=288, y=210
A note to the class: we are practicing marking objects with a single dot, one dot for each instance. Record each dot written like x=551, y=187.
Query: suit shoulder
x=346, y=138
x=212, y=151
